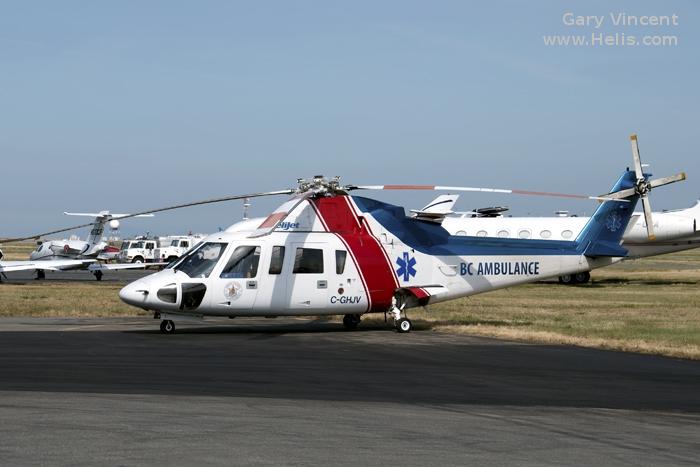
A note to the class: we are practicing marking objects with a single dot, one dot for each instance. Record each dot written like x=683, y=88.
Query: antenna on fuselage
x=246, y=207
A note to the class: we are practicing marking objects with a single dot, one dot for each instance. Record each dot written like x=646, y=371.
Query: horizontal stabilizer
x=437, y=209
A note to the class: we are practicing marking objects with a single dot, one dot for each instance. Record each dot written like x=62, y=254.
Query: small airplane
x=46, y=265
x=325, y=252
x=62, y=255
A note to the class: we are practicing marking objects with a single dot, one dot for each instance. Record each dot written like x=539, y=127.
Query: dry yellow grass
x=650, y=306
x=63, y=299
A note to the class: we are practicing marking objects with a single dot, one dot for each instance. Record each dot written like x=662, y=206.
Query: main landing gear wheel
x=351, y=321
x=582, y=277
x=403, y=325
x=167, y=327
x=566, y=279
x=40, y=275
x=578, y=278
x=98, y=275
x=397, y=306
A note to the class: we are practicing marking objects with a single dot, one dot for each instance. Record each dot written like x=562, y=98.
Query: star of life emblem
x=613, y=222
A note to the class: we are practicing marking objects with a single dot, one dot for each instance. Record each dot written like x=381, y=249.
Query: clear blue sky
x=129, y=105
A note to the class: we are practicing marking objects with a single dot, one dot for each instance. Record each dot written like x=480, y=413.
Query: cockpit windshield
x=200, y=261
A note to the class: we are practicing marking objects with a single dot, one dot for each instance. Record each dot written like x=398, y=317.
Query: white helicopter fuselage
x=335, y=256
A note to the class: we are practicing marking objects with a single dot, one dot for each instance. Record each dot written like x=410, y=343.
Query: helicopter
x=325, y=252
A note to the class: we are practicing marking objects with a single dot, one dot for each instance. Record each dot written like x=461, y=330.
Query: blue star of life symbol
x=406, y=267
x=613, y=222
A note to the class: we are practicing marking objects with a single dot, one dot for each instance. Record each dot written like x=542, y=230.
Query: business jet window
x=276, y=260
x=308, y=261
x=200, y=261
x=503, y=233
x=545, y=234
x=481, y=233
x=524, y=234
x=340, y=257
x=567, y=234
x=461, y=233
x=243, y=263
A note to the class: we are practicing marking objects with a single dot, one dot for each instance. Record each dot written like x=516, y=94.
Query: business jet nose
x=134, y=294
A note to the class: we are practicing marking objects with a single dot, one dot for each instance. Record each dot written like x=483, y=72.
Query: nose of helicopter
x=134, y=294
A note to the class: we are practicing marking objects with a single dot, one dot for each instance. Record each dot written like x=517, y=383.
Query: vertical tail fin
x=602, y=235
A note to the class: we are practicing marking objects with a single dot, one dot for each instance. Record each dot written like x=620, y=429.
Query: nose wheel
x=167, y=327
x=351, y=321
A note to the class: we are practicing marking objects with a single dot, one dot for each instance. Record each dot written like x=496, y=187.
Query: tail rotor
x=643, y=186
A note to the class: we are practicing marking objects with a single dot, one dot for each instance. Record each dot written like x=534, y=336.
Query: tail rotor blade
x=647, y=217
x=635, y=157
x=666, y=180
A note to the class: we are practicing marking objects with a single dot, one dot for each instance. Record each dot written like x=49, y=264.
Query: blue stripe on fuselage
x=433, y=239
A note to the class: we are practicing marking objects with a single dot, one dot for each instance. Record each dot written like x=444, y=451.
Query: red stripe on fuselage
x=272, y=220
x=365, y=223
x=339, y=218
x=352, y=256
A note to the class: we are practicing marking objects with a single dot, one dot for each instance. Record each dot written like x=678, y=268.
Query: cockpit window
x=200, y=261
x=243, y=263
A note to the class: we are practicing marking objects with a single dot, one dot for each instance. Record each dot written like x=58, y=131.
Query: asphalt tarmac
x=263, y=392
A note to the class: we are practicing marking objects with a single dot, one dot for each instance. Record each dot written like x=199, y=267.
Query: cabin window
x=461, y=233
x=340, y=257
x=276, y=260
x=242, y=264
x=545, y=234
x=481, y=233
x=200, y=261
x=567, y=234
x=308, y=261
x=524, y=234
x=503, y=233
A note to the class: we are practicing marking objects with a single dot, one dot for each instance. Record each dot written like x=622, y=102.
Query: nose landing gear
x=351, y=321
x=167, y=327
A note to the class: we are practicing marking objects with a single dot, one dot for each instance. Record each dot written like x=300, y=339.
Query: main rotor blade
x=647, y=217
x=635, y=158
x=666, y=180
x=151, y=211
x=482, y=190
